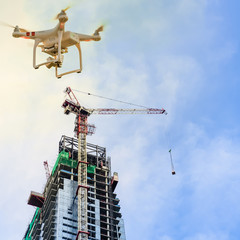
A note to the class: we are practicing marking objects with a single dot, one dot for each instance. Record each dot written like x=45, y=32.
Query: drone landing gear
x=51, y=62
x=73, y=71
x=57, y=60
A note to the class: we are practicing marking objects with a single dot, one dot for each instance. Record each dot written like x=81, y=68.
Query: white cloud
x=180, y=79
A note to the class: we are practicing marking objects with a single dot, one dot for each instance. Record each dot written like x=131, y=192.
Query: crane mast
x=82, y=129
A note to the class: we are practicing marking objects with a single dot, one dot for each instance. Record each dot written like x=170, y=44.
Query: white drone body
x=55, y=42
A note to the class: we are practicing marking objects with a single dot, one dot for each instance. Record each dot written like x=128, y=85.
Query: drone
x=56, y=42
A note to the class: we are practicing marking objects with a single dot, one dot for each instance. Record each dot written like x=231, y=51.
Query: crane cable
x=115, y=100
x=137, y=105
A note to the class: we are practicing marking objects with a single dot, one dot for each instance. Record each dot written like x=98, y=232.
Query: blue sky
x=182, y=55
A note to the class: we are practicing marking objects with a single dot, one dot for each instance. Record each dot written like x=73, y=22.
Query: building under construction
x=56, y=216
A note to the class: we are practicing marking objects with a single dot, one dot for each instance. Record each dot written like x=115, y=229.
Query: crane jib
x=113, y=111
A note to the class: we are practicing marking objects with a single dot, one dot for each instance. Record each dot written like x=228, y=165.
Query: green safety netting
x=34, y=221
x=91, y=168
x=63, y=158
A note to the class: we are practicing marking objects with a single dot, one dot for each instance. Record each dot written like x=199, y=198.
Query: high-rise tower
x=56, y=215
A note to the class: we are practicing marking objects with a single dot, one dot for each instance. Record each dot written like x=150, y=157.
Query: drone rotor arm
x=87, y=38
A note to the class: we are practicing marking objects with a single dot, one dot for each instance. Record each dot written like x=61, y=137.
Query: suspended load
x=173, y=171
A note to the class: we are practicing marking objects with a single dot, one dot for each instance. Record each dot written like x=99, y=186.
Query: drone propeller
x=100, y=29
x=66, y=8
x=23, y=30
x=63, y=11
x=11, y=26
x=6, y=24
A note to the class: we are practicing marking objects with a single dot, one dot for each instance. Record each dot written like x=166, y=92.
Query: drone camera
x=51, y=62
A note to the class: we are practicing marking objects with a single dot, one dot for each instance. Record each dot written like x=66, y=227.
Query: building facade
x=56, y=215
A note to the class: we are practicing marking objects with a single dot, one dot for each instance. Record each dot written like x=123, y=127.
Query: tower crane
x=82, y=129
